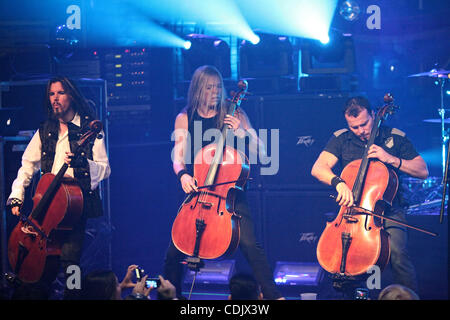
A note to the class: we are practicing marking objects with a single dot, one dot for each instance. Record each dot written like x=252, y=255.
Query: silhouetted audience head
x=397, y=292
x=31, y=291
x=100, y=285
x=244, y=287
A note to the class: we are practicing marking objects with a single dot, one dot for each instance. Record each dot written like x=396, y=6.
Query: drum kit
x=426, y=196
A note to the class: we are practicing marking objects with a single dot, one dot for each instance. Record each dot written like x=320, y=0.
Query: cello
x=57, y=206
x=207, y=226
x=355, y=240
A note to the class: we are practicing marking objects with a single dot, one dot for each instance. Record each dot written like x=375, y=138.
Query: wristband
x=400, y=164
x=15, y=203
x=336, y=180
x=181, y=172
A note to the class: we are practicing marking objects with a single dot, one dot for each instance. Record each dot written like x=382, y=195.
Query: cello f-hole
x=366, y=223
x=195, y=204
x=337, y=224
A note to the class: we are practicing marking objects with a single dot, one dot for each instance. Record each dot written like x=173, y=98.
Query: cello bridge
x=349, y=218
x=206, y=204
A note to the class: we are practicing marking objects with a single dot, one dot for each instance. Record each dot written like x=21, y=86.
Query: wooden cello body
x=28, y=248
x=355, y=240
x=213, y=208
x=57, y=206
x=207, y=226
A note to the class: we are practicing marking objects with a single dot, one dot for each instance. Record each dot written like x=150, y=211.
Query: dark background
x=143, y=194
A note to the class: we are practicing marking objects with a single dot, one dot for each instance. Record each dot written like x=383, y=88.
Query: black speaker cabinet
x=27, y=98
x=11, y=150
x=297, y=128
x=429, y=255
x=293, y=222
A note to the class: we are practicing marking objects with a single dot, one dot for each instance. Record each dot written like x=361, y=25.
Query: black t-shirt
x=204, y=131
x=199, y=137
x=197, y=126
x=346, y=146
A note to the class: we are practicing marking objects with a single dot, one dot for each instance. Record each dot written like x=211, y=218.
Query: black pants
x=403, y=270
x=252, y=251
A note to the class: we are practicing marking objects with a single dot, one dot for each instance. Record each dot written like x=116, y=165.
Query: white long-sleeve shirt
x=31, y=162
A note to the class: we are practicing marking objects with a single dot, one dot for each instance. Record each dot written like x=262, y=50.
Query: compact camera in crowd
x=150, y=282
x=361, y=294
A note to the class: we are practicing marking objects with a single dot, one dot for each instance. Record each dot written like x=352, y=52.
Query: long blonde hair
x=196, y=93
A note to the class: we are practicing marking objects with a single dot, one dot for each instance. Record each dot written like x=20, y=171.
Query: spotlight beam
x=298, y=18
x=218, y=12
x=120, y=23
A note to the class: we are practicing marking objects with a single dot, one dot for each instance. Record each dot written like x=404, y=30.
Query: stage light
x=66, y=36
x=335, y=57
x=149, y=34
x=122, y=23
x=325, y=40
x=297, y=273
x=255, y=39
x=187, y=45
x=297, y=18
x=213, y=272
x=328, y=67
x=271, y=57
x=214, y=17
x=208, y=50
x=63, y=43
x=349, y=10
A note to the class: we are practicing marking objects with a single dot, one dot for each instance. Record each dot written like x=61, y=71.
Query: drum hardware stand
x=445, y=153
x=444, y=186
x=442, y=76
x=444, y=134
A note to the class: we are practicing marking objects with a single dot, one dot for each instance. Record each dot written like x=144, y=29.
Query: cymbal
x=433, y=73
x=437, y=120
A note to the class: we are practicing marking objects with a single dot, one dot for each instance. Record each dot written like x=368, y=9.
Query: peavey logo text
x=309, y=237
x=306, y=140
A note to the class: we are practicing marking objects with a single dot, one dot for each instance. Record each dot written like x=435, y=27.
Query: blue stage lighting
x=325, y=40
x=122, y=23
x=255, y=39
x=335, y=57
x=298, y=18
x=187, y=45
x=271, y=57
x=350, y=10
x=63, y=43
x=206, y=50
x=215, y=17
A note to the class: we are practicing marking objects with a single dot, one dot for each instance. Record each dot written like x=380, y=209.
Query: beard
x=365, y=138
x=59, y=113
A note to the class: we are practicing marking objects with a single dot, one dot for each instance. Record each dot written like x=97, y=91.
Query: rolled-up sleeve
x=99, y=165
x=31, y=163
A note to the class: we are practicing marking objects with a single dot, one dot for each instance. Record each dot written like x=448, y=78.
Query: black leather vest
x=48, y=132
